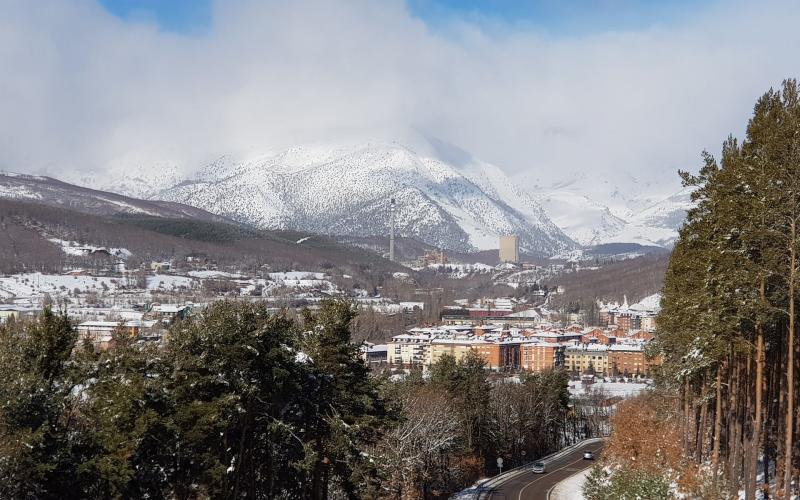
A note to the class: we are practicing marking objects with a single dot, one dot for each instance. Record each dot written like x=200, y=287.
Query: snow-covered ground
x=623, y=389
x=169, y=283
x=75, y=248
x=212, y=275
x=570, y=488
x=649, y=303
x=297, y=275
x=38, y=284
x=463, y=270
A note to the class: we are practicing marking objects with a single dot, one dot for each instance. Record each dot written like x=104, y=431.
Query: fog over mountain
x=571, y=117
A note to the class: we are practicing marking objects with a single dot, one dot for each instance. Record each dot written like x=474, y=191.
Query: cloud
x=81, y=90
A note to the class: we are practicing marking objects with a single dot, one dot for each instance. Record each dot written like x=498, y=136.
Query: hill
x=41, y=237
x=55, y=193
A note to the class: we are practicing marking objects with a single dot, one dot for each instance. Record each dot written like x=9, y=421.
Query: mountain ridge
x=446, y=197
x=346, y=191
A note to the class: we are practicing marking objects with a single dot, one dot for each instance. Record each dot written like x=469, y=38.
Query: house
x=641, y=315
x=596, y=335
x=375, y=354
x=101, y=333
x=169, y=312
x=160, y=266
x=15, y=312
x=409, y=350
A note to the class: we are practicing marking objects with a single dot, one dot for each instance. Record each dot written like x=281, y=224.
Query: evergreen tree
x=728, y=319
x=41, y=446
x=238, y=396
x=349, y=413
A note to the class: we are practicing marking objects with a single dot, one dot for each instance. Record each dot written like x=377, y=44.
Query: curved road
x=530, y=486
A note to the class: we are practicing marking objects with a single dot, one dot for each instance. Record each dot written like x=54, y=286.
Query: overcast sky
x=84, y=86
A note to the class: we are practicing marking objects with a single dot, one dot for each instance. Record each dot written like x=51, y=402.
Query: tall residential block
x=509, y=249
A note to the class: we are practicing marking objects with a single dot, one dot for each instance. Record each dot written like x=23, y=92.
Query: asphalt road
x=530, y=486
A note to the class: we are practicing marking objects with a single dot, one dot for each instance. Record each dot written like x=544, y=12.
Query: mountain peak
x=344, y=189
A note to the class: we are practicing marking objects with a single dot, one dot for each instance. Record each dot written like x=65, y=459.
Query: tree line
x=728, y=325
x=241, y=402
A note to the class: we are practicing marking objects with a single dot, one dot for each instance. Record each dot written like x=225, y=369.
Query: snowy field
x=60, y=285
x=213, y=275
x=296, y=275
x=38, y=284
x=170, y=283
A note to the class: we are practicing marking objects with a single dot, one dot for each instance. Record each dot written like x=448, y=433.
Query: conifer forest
x=728, y=325
x=241, y=402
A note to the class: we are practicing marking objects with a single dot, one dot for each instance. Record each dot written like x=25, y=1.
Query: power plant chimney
x=391, y=234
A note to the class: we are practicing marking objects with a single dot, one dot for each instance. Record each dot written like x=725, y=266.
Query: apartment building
x=541, y=356
x=629, y=360
x=586, y=358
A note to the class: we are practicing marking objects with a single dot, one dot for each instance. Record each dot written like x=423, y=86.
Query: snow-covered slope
x=620, y=209
x=347, y=191
x=658, y=222
x=445, y=196
x=134, y=179
x=55, y=193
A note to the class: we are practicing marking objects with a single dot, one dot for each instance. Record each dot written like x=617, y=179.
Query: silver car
x=588, y=455
x=538, y=468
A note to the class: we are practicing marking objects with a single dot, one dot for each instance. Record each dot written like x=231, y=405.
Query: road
x=530, y=486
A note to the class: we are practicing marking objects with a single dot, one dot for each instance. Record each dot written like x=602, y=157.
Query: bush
x=626, y=484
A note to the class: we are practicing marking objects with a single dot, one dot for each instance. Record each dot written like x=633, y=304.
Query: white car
x=538, y=468
x=588, y=455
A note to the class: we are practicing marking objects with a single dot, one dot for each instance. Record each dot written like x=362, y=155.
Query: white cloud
x=82, y=90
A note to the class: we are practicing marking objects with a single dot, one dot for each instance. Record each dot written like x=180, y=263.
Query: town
x=525, y=340
x=512, y=334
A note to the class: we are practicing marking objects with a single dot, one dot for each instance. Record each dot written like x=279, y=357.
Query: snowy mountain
x=595, y=210
x=445, y=197
x=55, y=193
x=347, y=191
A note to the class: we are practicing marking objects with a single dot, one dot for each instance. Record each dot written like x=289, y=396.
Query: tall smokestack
x=391, y=234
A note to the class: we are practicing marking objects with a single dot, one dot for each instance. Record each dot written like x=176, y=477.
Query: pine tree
x=40, y=443
x=350, y=413
x=238, y=396
x=729, y=312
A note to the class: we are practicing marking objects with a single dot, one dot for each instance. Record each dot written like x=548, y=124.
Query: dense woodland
x=637, y=278
x=728, y=327
x=241, y=402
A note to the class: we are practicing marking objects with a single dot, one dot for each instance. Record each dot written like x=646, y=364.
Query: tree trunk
x=755, y=441
x=701, y=431
x=734, y=460
x=717, y=426
x=789, y=425
x=685, y=419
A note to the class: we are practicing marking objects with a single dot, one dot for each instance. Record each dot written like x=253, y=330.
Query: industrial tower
x=391, y=233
